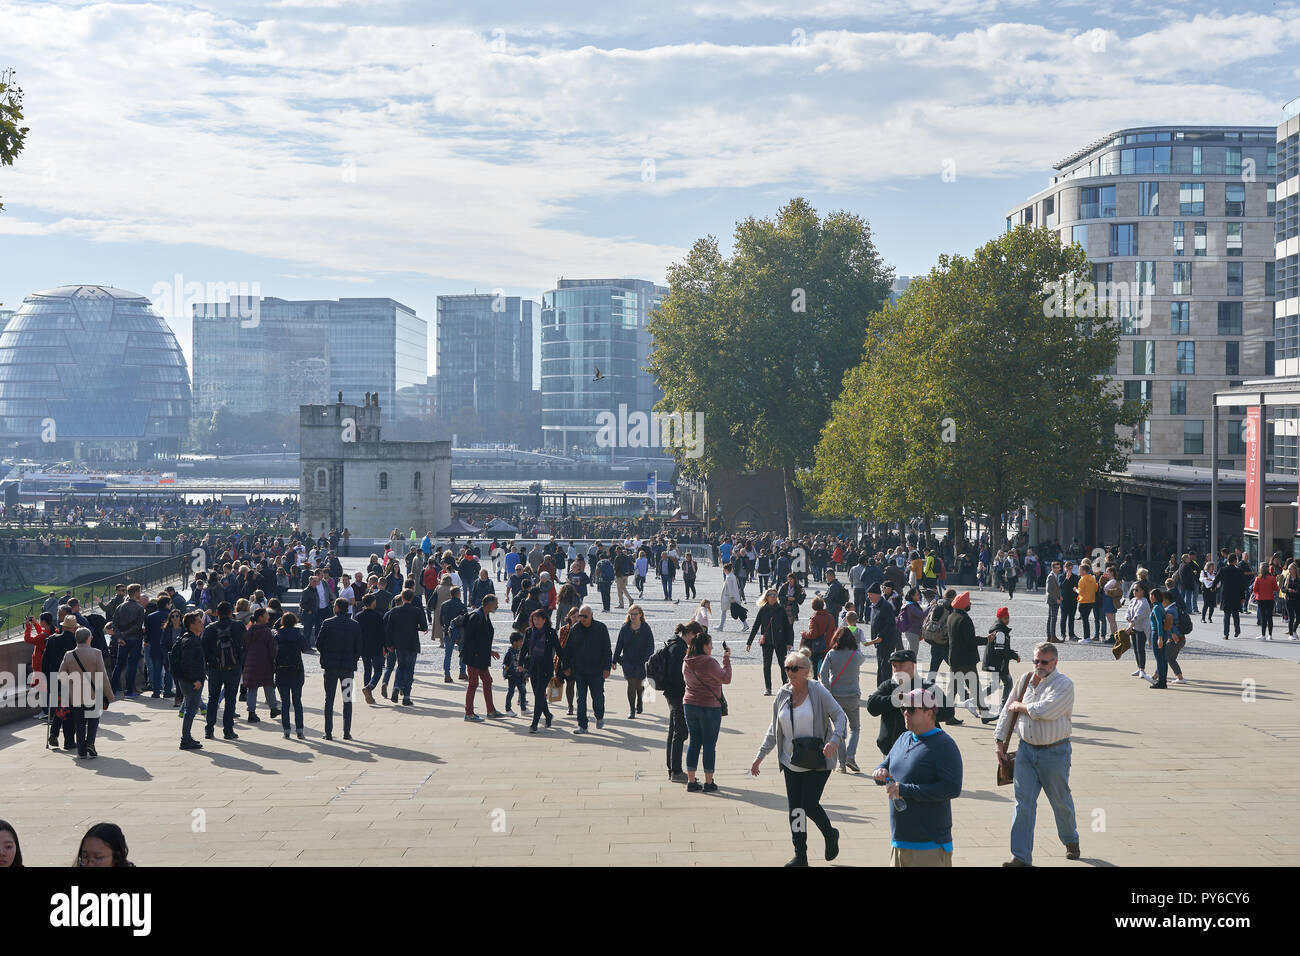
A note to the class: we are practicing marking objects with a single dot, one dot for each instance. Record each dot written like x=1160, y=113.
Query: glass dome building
x=91, y=372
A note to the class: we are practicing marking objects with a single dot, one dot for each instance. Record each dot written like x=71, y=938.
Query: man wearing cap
x=884, y=632
x=963, y=654
x=924, y=770
x=885, y=699
x=1042, y=763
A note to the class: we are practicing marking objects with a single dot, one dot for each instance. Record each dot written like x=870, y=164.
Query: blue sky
x=321, y=148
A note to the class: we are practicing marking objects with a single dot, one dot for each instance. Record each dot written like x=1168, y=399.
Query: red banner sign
x=1253, y=476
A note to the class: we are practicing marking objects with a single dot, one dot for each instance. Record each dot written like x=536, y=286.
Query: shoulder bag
x=1007, y=765
x=805, y=752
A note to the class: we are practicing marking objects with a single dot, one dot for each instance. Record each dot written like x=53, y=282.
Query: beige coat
x=92, y=661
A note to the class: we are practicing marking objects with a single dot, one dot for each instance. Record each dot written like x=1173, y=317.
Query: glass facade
x=94, y=366
x=305, y=352
x=590, y=324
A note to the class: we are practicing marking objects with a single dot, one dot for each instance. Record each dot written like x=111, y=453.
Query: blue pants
x=309, y=625
x=1189, y=599
x=596, y=682
x=189, y=709
x=373, y=667
x=451, y=645
x=1046, y=769
x=390, y=664
x=704, y=724
x=218, y=681
x=405, y=672
x=128, y=663
x=517, y=683
x=668, y=587
x=290, y=688
x=1162, y=665
x=160, y=675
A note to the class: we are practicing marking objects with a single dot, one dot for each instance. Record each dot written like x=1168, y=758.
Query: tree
x=760, y=342
x=987, y=386
x=12, y=136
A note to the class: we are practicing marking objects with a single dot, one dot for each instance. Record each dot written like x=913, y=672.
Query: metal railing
x=150, y=576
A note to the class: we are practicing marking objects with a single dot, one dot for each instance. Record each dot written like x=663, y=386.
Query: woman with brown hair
x=570, y=682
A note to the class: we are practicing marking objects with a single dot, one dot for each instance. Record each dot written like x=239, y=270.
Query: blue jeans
x=1189, y=599
x=668, y=587
x=596, y=682
x=452, y=644
x=1162, y=666
x=309, y=625
x=193, y=700
x=704, y=724
x=160, y=675
x=518, y=683
x=128, y=663
x=374, y=666
x=405, y=671
x=219, y=680
x=390, y=664
x=1046, y=769
x=290, y=688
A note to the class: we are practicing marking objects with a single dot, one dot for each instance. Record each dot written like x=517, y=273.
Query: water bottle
x=898, y=803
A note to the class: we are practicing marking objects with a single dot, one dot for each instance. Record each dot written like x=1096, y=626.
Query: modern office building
x=4, y=317
x=898, y=287
x=274, y=355
x=91, y=372
x=1178, y=221
x=591, y=325
x=485, y=367
x=1286, y=307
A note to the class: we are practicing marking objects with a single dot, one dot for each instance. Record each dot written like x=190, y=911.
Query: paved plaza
x=1202, y=774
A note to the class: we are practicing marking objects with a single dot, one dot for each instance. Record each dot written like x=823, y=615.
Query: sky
x=353, y=148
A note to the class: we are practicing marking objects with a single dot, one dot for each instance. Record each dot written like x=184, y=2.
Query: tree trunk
x=793, y=516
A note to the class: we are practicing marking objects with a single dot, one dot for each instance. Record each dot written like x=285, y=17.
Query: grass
x=37, y=593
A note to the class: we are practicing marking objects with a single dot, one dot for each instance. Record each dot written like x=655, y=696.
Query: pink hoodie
x=704, y=680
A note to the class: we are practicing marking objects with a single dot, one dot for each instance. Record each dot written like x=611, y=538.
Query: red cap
x=1003, y=612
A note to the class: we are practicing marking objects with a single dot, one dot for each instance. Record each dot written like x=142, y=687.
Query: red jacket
x=37, y=640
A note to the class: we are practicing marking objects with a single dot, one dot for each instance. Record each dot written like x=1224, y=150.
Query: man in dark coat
x=963, y=654
x=1069, y=599
x=371, y=622
x=837, y=595
x=339, y=645
x=587, y=658
x=223, y=650
x=884, y=631
x=58, y=644
x=477, y=656
x=402, y=627
x=1232, y=588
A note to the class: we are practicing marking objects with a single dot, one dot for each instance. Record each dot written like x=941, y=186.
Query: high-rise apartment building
x=1286, y=307
x=1178, y=222
x=485, y=367
x=592, y=326
x=273, y=355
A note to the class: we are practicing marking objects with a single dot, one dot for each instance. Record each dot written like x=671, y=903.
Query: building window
x=1146, y=277
x=1186, y=358
x=1142, y=438
x=1234, y=199
x=1102, y=274
x=1124, y=239
x=1270, y=270
x=1234, y=238
x=1236, y=437
x=1178, y=398
x=418, y=479
x=1182, y=281
x=1079, y=234
x=1270, y=161
x=1196, y=161
x=1269, y=358
x=1232, y=161
x=1149, y=159
x=1229, y=318
x=1231, y=358
x=1270, y=201
x=383, y=481
x=1180, y=318
x=1137, y=390
x=1191, y=199
x=1144, y=358
x=1193, y=437
x=1234, y=285
x=322, y=480
x=1178, y=238
x=1148, y=199
x=1198, y=240
x=1126, y=313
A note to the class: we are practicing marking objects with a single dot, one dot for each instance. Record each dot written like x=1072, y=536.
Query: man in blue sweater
x=922, y=774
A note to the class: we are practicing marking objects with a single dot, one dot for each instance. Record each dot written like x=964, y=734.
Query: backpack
x=227, y=656
x=900, y=620
x=1184, y=619
x=932, y=628
x=656, y=669
x=174, y=655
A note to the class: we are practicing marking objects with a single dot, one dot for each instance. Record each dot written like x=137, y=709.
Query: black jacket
x=476, y=640
x=674, y=680
x=1232, y=585
x=771, y=618
x=371, y=622
x=339, y=643
x=837, y=596
x=402, y=627
x=588, y=649
x=539, y=652
x=192, y=659
x=963, y=645
x=212, y=632
x=885, y=627
x=881, y=704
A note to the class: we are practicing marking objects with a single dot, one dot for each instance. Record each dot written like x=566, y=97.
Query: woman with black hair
x=11, y=854
x=103, y=845
x=702, y=704
x=541, y=648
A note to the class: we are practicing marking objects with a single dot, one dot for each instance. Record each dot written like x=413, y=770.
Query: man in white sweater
x=730, y=593
x=1042, y=715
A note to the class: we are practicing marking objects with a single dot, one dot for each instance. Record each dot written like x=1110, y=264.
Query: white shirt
x=796, y=723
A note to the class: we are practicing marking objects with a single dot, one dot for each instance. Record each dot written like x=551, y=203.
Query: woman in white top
x=702, y=614
x=1138, y=614
x=805, y=712
x=1209, y=590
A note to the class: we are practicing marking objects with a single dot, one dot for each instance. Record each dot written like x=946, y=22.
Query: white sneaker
x=1295, y=637
x=970, y=705
x=1148, y=678
x=1261, y=638
x=1178, y=680
x=1136, y=673
x=510, y=713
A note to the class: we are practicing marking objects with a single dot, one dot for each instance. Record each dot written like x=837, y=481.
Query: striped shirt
x=1050, y=705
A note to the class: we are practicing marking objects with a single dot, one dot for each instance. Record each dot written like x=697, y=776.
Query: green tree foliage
x=12, y=136
x=980, y=389
x=759, y=342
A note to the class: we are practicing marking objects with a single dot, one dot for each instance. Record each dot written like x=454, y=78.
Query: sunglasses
x=1043, y=663
x=797, y=667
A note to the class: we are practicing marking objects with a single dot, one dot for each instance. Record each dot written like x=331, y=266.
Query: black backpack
x=1184, y=619
x=226, y=653
x=288, y=659
x=656, y=669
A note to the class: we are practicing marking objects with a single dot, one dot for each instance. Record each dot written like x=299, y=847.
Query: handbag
x=805, y=752
x=554, y=690
x=1007, y=765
